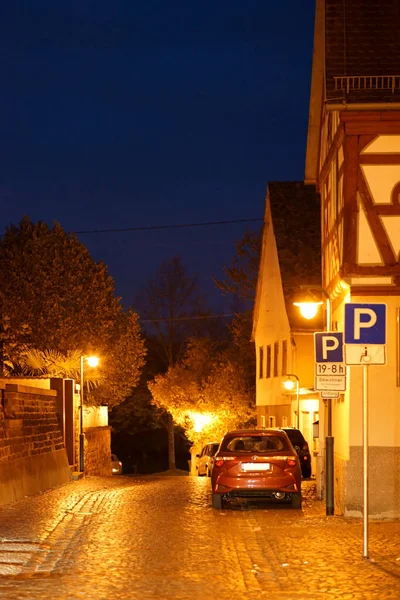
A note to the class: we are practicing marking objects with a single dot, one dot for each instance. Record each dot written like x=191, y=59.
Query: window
x=261, y=362
x=262, y=420
x=268, y=373
x=284, y=421
x=276, y=358
x=284, y=357
x=271, y=421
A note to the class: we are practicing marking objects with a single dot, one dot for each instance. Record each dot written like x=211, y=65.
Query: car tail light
x=120, y=463
x=305, y=447
x=305, y=457
x=219, y=460
x=291, y=462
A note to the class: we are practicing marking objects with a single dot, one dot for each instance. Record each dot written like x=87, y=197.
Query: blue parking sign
x=364, y=323
x=328, y=347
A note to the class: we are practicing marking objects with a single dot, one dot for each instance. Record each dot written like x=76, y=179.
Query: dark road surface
x=157, y=537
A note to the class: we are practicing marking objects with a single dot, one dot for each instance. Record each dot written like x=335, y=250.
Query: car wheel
x=306, y=472
x=217, y=500
x=296, y=500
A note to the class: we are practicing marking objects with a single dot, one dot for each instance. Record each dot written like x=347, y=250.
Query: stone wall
x=32, y=453
x=97, y=443
x=98, y=451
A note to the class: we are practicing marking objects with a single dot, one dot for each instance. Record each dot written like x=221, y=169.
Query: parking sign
x=330, y=370
x=365, y=333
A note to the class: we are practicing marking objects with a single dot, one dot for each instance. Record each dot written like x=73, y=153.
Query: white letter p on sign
x=329, y=343
x=358, y=324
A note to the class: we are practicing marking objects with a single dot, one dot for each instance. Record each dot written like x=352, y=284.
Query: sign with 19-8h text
x=330, y=370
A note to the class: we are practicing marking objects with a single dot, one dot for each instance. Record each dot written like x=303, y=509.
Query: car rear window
x=295, y=436
x=214, y=448
x=255, y=443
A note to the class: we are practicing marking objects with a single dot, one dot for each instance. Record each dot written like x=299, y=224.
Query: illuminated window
x=284, y=421
x=262, y=419
x=261, y=362
x=284, y=357
x=276, y=358
x=268, y=373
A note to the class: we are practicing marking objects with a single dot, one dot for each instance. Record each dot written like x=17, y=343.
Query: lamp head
x=93, y=361
x=308, y=309
x=288, y=384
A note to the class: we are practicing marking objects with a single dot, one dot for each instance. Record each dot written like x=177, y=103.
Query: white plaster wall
x=272, y=323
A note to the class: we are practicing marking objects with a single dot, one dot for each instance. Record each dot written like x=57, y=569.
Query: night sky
x=125, y=114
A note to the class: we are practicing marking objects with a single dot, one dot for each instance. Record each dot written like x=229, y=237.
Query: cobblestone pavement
x=157, y=537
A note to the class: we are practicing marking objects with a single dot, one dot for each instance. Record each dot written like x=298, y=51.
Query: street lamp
x=288, y=384
x=92, y=361
x=311, y=304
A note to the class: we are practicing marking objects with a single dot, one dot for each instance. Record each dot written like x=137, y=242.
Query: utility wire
x=155, y=227
x=186, y=318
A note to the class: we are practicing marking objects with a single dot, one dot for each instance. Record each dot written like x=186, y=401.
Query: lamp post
x=288, y=385
x=92, y=361
x=308, y=309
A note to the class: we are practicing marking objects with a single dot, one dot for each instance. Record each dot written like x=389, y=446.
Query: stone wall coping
x=100, y=427
x=27, y=389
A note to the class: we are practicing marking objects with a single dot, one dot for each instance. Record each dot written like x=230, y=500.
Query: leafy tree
x=55, y=297
x=241, y=277
x=207, y=384
x=170, y=307
x=240, y=281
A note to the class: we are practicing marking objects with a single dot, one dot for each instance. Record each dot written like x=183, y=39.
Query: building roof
x=295, y=211
x=362, y=41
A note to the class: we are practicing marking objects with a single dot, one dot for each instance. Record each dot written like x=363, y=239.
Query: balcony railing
x=361, y=83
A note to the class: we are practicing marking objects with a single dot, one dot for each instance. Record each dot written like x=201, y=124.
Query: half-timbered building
x=353, y=158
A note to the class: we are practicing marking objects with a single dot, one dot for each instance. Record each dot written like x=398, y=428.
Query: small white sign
x=369, y=354
x=326, y=395
x=330, y=383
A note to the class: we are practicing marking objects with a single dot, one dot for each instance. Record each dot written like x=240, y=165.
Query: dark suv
x=301, y=447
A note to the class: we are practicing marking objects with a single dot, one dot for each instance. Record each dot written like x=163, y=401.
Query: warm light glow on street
x=93, y=361
x=308, y=310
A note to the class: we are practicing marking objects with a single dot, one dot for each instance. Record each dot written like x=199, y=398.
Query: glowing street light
x=289, y=384
x=92, y=361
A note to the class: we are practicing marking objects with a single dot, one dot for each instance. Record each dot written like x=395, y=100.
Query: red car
x=256, y=463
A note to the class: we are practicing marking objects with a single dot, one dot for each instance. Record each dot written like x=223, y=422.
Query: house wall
x=272, y=327
x=32, y=452
x=367, y=234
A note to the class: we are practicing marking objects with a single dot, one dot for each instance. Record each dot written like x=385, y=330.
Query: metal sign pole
x=365, y=457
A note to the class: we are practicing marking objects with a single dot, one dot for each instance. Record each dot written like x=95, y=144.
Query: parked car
x=301, y=446
x=205, y=458
x=256, y=463
x=116, y=465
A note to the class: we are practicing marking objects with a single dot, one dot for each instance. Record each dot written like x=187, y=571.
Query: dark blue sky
x=131, y=114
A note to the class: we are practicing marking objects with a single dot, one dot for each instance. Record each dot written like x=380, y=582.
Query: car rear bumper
x=256, y=485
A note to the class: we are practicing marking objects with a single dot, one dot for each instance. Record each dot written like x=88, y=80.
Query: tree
x=170, y=307
x=55, y=297
x=206, y=392
x=241, y=282
x=241, y=277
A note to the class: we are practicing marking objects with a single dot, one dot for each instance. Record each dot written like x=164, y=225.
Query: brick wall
x=98, y=451
x=32, y=453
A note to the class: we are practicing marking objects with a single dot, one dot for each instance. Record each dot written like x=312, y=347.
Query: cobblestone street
x=157, y=537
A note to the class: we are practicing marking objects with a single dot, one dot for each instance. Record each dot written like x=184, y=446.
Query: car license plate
x=256, y=466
